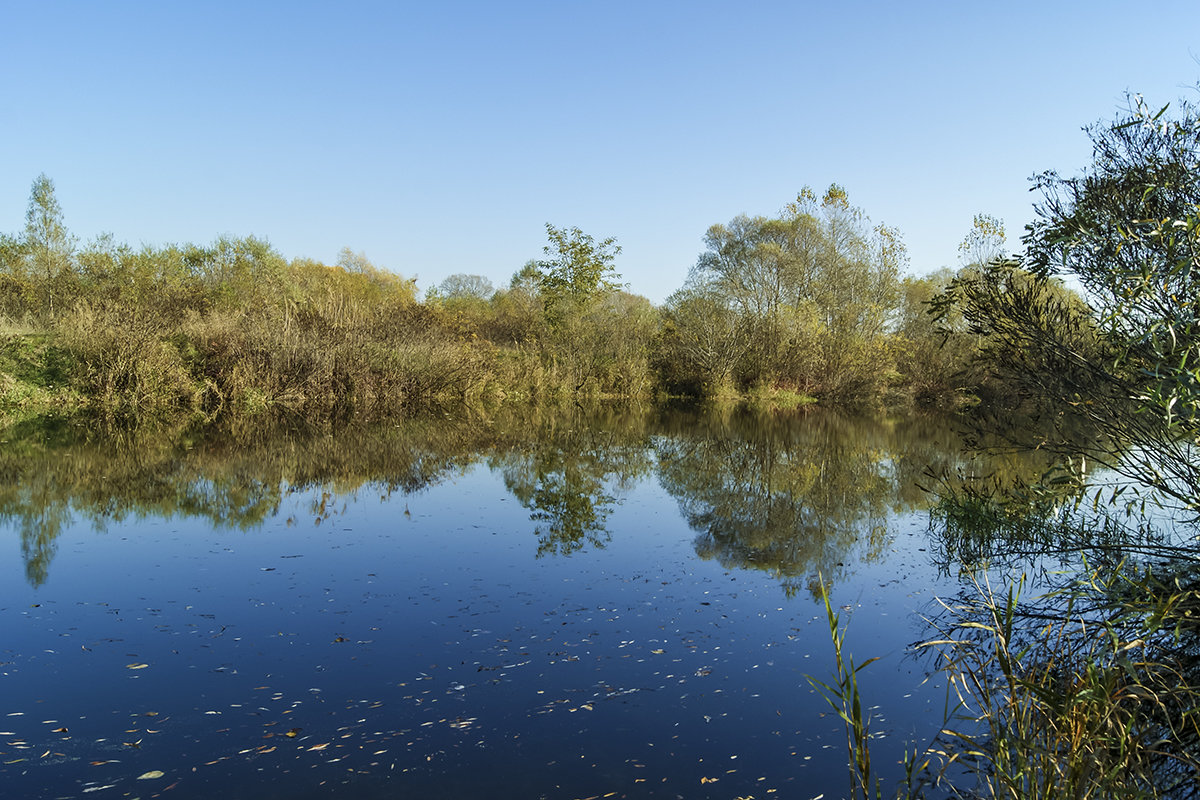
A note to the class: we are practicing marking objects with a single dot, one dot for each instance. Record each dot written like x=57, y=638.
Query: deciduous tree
x=576, y=268
x=812, y=291
x=1123, y=361
x=49, y=246
x=461, y=286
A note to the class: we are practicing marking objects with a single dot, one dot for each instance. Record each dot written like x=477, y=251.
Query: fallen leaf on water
x=151, y=775
x=136, y=666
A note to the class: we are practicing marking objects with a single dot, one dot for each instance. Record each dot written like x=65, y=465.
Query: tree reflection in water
x=795, y=493
x=231, y=478
x=570, y=473
x=790, y=493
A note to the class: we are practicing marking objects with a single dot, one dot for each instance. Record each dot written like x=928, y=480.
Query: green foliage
x=47, y=245
x=229, y=328
x=700, y=344
x=33, y=376
x=984, y=243
x=577, y=268
x=603, y=349
x=1121, y=364
x=1129, y=231
x=576, y=273
x=932, y=354
x=791, y=308
x=516, y=315
x=1083, y=693
x=462, y=303
x=1091, y=690
x=1033, y=349
x=802, y=300
x=577, y=333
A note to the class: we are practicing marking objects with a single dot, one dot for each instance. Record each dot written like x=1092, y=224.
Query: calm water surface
x=565, y=606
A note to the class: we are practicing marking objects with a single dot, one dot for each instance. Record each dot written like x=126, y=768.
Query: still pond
x=528, y=605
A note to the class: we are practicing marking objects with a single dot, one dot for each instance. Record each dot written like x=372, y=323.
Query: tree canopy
x=47, y=243
x=1122, y=360
x=576, y=266
x=803, y=300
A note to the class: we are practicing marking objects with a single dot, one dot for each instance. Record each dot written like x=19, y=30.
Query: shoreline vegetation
x=807, y=307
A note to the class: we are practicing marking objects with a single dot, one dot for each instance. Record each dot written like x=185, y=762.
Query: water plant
x=1086, y=691
x=844, y=698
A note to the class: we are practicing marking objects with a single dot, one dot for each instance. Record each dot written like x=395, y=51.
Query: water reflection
x=231, y=478
x=792, y=494
x=570, y=472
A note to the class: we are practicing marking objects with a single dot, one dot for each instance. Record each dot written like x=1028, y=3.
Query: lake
x=524, y=605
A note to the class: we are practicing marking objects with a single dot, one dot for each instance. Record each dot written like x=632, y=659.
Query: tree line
x=811, y=304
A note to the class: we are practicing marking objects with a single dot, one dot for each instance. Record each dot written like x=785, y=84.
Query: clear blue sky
x=440, y=137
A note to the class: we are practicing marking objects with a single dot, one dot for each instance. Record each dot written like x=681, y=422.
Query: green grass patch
x=34, y=376
x=772, y=397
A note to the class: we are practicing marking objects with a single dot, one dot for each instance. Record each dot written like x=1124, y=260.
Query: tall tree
x=577, y=267
x=813, y=290
x=984, y=242
x=47, y=242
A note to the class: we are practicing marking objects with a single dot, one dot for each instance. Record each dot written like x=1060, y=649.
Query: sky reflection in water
x=560, y=607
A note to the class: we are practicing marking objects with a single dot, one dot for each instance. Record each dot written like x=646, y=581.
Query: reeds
x=843, y=696
x=1078, y=694
x=1088, y=691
